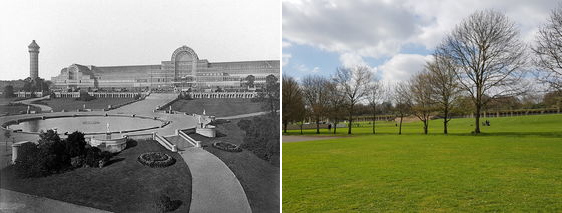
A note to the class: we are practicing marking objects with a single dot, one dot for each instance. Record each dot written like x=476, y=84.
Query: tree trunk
x=374, y=118
x=445, y=122
x=477, y=120
x=301, y=128
x=317, y=126
x=400, y=128
x=285, y=127
x=350, y=120
x=335, y=126
x=425, y=126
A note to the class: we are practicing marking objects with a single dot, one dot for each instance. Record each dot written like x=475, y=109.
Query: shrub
x=93, y=155
x=75, y=144
x=226, y=146
x=156, y=159
x=163, y=203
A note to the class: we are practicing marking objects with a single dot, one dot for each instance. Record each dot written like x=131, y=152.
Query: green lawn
x=15, y=109
x=516, y=165
x=218, y=107
x=70, y=104
x=123, y=186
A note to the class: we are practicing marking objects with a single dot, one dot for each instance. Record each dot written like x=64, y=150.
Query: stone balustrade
x=198, y=95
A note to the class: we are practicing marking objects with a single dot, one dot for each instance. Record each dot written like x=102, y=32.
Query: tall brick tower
x=33, y=60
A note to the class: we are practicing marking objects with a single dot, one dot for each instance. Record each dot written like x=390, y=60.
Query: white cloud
x=285, y=58
x=380, y=28
x=402, y=66
x=286, y=44
x=305, y=69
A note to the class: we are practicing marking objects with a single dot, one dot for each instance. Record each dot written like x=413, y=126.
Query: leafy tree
x=250, y=79
x=8, y=91
x=75, y=144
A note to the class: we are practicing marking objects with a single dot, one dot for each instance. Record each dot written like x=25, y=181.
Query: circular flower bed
x=156, y=159
x=226, y=146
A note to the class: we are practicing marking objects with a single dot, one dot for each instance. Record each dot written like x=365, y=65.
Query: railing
x=165, y=143
x=188, y=139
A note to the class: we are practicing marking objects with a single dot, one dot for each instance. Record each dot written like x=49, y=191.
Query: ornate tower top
x=33, y=47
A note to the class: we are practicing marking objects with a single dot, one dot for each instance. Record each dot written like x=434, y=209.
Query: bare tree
x=353, y=83
x=336, y=104
x=548, y=50
x=292, y=103
x=444, y=86
x=490, y=56
x=421, y=96
x=402, y=102
x=316, y=97
x=376, y=94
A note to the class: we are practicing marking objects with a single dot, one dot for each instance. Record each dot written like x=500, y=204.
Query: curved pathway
x=243, y=115
x=44, y=108
x=214, y=187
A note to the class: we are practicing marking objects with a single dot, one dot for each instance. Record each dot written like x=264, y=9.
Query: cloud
x=286, y=44
x=285, y=58
x=369, y=28
x=381, y=28
x=305, y=69
x=402, y=66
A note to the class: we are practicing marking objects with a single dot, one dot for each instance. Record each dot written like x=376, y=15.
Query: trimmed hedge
x=156, y=159
x=226, y=146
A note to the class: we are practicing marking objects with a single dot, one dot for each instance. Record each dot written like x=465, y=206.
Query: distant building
x=184, y=70
x=33, y=60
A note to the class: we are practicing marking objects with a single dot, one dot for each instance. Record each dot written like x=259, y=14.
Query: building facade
x=184, y=70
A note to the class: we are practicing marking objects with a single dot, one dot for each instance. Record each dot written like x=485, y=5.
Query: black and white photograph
x=140, y=106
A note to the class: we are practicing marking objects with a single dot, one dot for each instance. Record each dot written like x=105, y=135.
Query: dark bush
x=75, y=144
x=156, y=159
x=226, y=146
x=93, y=155
x=84, y=96
x=163, y=203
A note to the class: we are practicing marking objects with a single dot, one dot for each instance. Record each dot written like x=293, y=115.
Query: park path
x=11, y=201
x=44, y=108
x=214, y=187
x=243, y=115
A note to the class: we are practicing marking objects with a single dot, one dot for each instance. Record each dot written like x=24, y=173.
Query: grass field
x=217, y=107
x=123, y=186
x=259, y=178
x=70, y=104
x=515, y=165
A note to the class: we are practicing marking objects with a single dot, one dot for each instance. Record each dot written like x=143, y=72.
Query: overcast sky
x=131, y=32
x=395, y=37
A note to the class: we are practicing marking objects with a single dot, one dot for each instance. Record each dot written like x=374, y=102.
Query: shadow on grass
x=175, y=204
x=114, y=160
x=131, y=143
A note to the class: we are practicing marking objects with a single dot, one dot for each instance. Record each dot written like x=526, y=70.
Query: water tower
x=33, y=60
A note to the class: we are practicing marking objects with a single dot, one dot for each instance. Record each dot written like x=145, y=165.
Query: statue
x=108, y=128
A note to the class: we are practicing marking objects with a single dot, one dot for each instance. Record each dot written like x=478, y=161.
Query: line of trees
x=482, y=62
